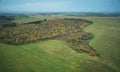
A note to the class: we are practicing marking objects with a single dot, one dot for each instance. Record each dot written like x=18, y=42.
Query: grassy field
x=32, y=18
x=106, y=38
x=47, y=56
x=54, y=56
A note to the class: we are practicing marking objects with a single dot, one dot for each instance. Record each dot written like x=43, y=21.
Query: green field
x=32, y=18
x=48, y=56
x=106, y=39
x=54, y=56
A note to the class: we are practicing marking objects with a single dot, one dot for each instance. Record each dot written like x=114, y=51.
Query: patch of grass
x=47, y=56
x=106, y=39
x=32, y=18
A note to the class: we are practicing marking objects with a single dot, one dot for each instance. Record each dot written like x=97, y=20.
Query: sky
x=108, y=6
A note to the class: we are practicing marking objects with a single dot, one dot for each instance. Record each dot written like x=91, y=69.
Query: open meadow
x=106, y=39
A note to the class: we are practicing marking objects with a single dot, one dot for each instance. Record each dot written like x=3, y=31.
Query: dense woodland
x=68, y=30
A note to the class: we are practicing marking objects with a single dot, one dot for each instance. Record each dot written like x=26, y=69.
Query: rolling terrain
x=55, y=56
x=47, y=56
x=106, y=39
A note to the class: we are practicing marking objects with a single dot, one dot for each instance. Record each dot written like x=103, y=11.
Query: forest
x=68, y=30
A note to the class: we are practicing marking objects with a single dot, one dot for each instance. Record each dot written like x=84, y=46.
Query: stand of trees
x=68, y=30
x=6, y=18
